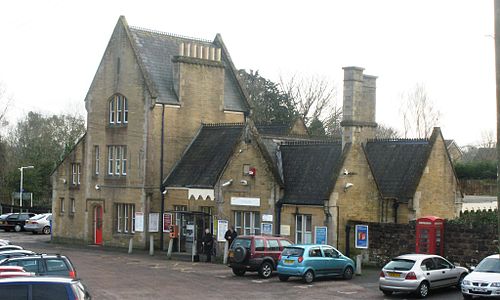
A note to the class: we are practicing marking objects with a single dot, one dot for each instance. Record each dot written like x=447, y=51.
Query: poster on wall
x=267, y=228
x=139, y=222
x=362, y=236
x=167, y=221
x=222, y=226
x=154, y=220
x=320, y=235
x=285, y=230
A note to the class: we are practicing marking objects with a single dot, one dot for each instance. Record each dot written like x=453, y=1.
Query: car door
x=445, y=272
x=428, y=267
x=56, y=267
x=30, y=265
x=334, y=265
x=316, y=260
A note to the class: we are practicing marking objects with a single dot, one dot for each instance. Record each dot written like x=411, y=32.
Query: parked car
x=419, y=273
x=256, y=253
x=39, y=224
x=44, y=288
x=4, y=242
x=10, y=274
x=484, y=280
x=43, y=264
x=14, y=253
x=311, y=261
x=10, y=247
x=15, y=221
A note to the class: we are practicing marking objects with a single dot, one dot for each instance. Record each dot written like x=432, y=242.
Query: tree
x=386, y=132
x=5, y=101
x=268, y=102
x=418, y=112
x=488, y=139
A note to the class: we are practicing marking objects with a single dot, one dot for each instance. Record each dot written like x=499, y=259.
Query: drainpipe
x=279, y=205
x=161, y=175
x=395, y=206
x=347, y=240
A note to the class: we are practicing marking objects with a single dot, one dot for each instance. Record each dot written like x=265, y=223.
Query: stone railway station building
x=169, y=120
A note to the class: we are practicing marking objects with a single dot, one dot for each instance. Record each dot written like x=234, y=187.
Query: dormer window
x=118, y=110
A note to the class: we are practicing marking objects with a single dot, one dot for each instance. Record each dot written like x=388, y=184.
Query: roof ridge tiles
x=399, y=140
x=171, y=34
x=222, y=124
x=314, y=142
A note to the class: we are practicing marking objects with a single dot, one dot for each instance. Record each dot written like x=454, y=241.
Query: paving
x=115, y=274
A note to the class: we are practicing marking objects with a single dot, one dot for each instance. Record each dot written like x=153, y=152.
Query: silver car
x=484, y=281
x=39, y=224
x=419, y=273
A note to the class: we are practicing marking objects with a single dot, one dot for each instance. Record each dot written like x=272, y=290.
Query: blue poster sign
x=267, y=228
x=320, y=235
x=362, y=236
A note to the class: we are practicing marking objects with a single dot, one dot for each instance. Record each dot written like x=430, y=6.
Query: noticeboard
x=362, y=236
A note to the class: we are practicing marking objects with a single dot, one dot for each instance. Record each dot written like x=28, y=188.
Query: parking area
x=114, y=274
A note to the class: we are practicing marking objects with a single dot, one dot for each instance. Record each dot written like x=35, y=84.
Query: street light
x=21, y=185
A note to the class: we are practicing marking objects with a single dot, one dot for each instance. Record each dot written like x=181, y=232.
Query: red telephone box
x=430, y=232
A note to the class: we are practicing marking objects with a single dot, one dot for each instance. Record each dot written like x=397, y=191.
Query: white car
x=484, y=280
x=39, y=224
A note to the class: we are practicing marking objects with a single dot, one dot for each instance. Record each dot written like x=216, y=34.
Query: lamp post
x=21, y=185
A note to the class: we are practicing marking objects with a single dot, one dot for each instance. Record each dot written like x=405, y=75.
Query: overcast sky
x=50, y=50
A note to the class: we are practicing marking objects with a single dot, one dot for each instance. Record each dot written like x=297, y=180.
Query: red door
x=98, y=225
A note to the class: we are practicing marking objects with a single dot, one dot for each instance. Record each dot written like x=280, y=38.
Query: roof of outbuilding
x=156, y=50
x=205, y=159
x=309, y=171
x=273, y=128
x=397, y=165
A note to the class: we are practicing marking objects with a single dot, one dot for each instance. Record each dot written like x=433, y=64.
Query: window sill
x=116, y=126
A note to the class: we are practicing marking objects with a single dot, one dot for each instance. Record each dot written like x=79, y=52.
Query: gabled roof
x=310, y=170
x=486, y=154
x=206, y=157
x=397, y=165
x=155, y=50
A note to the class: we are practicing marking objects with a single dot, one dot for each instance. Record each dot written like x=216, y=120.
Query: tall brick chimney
x=359, y=105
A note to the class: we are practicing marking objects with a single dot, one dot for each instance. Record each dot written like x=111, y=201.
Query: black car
x=43, y=265
x=15, y=221
x=43, y=288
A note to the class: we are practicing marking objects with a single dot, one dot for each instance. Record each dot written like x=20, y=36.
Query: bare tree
x=488, y=139
x=386, y=132
x=418, y=112
x=5, y=101
x=315, y=99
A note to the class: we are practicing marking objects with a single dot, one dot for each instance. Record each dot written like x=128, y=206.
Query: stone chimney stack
x=359, y=106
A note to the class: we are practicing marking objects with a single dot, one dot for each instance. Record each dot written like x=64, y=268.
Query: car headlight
x=466, y=282
x=495, y=284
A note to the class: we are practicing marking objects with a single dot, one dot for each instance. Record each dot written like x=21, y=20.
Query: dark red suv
x=256, y=253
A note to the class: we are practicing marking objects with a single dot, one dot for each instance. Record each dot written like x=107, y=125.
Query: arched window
x=118, y=110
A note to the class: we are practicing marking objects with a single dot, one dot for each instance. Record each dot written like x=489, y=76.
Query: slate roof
x=156, y=50
x=397, y=165
x=309, y=171
x=205, y=159
x=273, y=128
x=486, y=154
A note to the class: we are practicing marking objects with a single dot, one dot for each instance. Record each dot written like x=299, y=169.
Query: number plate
x=289, y=261
x=479, y=290
x=393, y=274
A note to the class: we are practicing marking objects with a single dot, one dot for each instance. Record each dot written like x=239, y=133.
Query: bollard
x=193, y=251
x=359, y=260
x=151, y=245
x=226, y=250
x=170, y=246
x=130, y=246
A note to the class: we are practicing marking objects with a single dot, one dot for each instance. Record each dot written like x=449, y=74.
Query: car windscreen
x=400, y=264
x=292, y=251
x=38, y=217
x=489, y=265
x=245, y=243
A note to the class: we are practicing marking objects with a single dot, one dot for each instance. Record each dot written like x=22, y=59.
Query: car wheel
x=283, y=278
x=468, y=297
x=348, y=273
x=387, y=293
x=309, y=276
x=238, y=272
x=18, y=228
x=265, y=270
x=459, y=283
x=46, y=230
x=423, y=290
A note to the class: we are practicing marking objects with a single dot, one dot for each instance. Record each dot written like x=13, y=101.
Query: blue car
x=311, y=261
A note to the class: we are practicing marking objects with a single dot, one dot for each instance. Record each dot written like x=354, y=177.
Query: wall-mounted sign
x=139, y=222
x=245, y=201
x=222, y=226
x=167, y=221
x=267, y=228
x=154, y=220
x=285, y=230
x=362, y=236
x=320, y=235
x=267, y=218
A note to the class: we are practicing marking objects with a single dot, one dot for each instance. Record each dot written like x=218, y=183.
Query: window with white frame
x=96, y=160
x=118, y=110
x=247, y=222
x=73, y=209
x=117, y=160
x=303, y=229
x=61, y=205
x=75, y=174
x=125, y=217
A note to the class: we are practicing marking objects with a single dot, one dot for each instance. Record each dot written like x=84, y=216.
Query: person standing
x=230, y=235
x=208, y=244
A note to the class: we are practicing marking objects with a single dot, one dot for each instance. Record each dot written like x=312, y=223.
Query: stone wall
x=463, y=245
